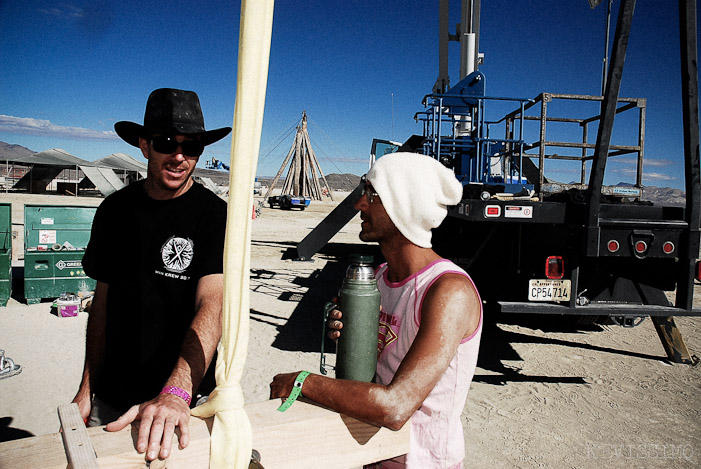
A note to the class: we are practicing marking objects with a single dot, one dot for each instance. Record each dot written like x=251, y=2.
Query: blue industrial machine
x=216, y=164
x=536, y=245
x=457, y=133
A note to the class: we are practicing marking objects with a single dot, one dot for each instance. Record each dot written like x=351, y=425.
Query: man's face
x=168, y=173
x=376, y=225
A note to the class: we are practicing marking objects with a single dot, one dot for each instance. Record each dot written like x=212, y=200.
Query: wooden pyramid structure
x=302, y=179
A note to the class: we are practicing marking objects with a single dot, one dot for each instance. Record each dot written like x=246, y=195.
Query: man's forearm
x=94, y=344
x=195, y=357
x=201, y=339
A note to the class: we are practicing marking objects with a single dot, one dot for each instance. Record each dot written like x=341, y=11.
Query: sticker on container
x=47, y=221
x=47, y=236
x=518, y=211
x=626, y=191
x=63, y=264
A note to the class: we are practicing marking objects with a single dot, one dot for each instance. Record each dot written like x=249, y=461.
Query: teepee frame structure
x=302, y=179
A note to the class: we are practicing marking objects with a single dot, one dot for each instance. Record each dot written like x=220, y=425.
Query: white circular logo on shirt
x=177, y=254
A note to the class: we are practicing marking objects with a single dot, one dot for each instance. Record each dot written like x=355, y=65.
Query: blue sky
x=360, y=69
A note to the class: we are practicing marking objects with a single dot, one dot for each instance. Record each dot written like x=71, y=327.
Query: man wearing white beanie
x=430, y=319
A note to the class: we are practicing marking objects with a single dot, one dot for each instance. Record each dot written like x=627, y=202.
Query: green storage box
x=55, y=238
x=5, y=253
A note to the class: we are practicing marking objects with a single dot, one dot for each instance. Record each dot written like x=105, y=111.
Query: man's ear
x=143, y=144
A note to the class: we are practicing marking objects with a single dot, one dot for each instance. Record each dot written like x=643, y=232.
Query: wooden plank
x=79, y=450
x=671, y=339
x=306, y=435
x=44, y=451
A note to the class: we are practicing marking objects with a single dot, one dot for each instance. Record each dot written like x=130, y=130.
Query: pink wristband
x=176, y=391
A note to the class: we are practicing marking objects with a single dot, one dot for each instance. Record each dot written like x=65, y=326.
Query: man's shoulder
x=450, y=279
x=441, y=266
x=125, y=195
x=202, y=192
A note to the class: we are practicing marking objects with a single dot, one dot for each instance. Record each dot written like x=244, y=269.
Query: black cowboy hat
x=170, y=111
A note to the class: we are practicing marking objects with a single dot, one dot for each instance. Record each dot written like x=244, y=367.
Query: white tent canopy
x=107, y=175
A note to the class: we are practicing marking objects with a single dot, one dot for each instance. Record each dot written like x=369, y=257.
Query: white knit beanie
x=415, y=190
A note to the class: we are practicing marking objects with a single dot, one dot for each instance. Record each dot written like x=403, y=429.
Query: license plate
x=549, y=290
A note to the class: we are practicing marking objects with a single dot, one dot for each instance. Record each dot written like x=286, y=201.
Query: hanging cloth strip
x=231, y=440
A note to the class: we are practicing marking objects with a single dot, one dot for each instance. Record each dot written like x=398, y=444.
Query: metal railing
x=457, y=133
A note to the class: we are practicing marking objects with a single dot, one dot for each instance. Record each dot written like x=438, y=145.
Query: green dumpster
x=5, y=253
x=55, y=238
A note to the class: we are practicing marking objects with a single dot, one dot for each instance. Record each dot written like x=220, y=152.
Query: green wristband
x=296, y=391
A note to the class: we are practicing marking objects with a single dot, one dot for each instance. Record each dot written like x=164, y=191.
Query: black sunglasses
x=167, y=144
x=366, y=190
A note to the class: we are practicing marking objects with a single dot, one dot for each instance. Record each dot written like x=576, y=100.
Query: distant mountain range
x=8, y=150
x=337, y=182
x=347, y=182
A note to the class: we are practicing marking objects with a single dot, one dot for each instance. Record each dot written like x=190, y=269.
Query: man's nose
x=362, y=203
x=179, y=155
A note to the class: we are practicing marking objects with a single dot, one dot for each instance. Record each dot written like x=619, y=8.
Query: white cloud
x=30, y=126
x=647, y=176
x=64, y=10
x=646, y=161
x=658, y=163
x=659, y=177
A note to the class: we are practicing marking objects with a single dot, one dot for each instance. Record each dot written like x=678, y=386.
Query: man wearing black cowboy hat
x=156, y=251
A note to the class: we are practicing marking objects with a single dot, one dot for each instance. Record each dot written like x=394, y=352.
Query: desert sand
x=546, y=392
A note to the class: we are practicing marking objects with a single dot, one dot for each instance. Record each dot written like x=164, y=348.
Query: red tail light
x=554, y=267
x=698, y=271
x=668, y=247
x=640, y=247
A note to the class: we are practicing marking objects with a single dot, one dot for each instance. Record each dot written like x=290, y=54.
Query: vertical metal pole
x=603, y=138
x=465, y=28
x=641, y=144
x=480, y=144
x=439, y=129
x=443, y=80
x=488, y=163
x=541, y=145
x=476, y=11
x=690, y=108
x=585, y=137
x=508, y=149
x=470, y=24
x=392, y=116
x=520, y=144
x=606, y=52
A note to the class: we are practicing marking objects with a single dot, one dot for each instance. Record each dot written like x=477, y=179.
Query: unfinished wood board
x=76, y=440
x=306, y=435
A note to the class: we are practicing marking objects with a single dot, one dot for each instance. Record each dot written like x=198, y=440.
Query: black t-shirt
x=151, y=253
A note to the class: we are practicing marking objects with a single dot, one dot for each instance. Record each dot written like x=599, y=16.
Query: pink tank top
x=436, y=429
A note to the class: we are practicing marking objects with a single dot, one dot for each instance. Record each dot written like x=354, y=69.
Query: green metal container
x=5, y=253
x=55, y=238
x=359, y=301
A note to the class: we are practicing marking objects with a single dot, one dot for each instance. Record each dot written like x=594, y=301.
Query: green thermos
x=359, y=301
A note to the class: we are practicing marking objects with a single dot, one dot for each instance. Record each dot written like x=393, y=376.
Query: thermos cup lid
x=360, y=268
x=361, y=259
